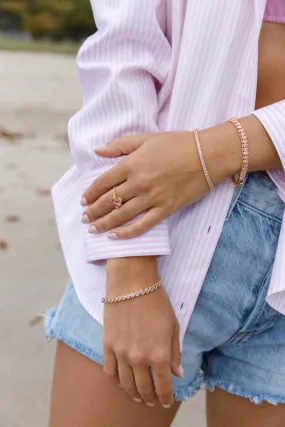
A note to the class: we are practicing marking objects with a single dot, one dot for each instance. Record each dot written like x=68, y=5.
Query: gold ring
x=116, y=199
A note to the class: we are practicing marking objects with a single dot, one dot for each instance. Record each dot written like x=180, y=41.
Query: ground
x=38, y=94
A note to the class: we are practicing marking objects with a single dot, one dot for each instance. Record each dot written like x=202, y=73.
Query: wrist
x=222, y=151
x=131, y=273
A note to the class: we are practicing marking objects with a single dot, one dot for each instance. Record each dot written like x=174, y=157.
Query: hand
x=141, y=335
x=161, y=174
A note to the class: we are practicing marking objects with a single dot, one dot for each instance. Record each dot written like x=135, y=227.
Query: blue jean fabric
x=234, y=340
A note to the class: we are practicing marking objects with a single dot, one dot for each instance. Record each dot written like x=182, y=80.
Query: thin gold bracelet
x=202, y=161
x=245, y=152
x=135, y=294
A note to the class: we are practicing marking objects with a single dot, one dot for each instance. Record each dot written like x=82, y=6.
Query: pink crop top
x=275, y=11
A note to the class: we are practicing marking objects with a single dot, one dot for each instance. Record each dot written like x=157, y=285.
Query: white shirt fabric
x=156, y=65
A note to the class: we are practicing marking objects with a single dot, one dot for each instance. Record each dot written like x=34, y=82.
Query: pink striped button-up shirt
x=163, y=65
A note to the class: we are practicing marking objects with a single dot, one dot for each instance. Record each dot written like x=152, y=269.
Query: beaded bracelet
x=245, y=152
x=135, y=294
x=202, y=161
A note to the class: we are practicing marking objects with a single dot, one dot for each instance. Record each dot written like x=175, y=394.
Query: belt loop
x=235, y=197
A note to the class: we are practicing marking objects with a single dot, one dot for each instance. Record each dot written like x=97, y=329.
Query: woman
x=157, y=70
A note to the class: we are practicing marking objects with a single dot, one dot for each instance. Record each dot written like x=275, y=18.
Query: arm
x=121, y=70
x=182, y=179
x=121, y=67
x=266, y=148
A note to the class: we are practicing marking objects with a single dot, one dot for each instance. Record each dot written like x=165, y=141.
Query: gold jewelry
x=135, y=294
x=116, y=199
x=245, y=152
x=203, y=164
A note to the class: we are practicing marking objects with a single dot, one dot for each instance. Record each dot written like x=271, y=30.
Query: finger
x=104, y=183
x=105, y=205
x=163, y=383
x=117, y=217
x=122, y=146
x=110, y=365
x=176, y=367
x=138, y=227
x=144, y=384
x=127, y=381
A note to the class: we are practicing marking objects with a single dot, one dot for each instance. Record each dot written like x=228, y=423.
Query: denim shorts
x=234, y=340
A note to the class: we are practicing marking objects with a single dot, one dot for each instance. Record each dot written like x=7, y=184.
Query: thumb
x=121, y=146
x=176, y=367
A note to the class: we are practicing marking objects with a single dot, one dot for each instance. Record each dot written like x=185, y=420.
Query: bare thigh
x=227, y=410
x=83, y=396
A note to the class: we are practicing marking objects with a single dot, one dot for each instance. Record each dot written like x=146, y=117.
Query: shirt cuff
x=273, y=119
x=98, y=247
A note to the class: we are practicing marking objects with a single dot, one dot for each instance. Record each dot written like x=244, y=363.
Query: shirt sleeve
x=121, y=69
x=273, y=119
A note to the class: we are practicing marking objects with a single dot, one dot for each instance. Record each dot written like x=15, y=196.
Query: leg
x=83, y=396
x=227, y=410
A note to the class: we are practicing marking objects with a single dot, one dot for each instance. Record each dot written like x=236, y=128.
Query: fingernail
x=119, y=385
x=83, y=201
x=93, y=230
x=150, y=404
x=167, y=406
x=85, y=219
x=99, y=148
x=137, y=400
x=112, y=236
x=181, y=370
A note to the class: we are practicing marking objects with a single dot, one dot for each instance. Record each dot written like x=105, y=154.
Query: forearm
x=130, y=274
x=223, y=145
x=120, y=97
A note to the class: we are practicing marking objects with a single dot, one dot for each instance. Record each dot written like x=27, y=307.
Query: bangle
x=245, y=152
x=203, y=164
x=135, y=294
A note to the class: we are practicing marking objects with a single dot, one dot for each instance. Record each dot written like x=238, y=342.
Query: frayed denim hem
x=180, y=394
x=183, y=394
x=239, y=391
x=52, y=333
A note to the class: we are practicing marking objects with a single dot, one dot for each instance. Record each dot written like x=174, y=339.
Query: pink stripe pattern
x=152, y=67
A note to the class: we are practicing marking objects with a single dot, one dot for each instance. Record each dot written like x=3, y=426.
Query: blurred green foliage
x=53, y=19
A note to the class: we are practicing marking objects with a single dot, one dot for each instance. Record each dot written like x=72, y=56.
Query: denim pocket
x=262, y=316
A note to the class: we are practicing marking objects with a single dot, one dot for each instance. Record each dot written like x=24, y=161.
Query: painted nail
x=85, y=219
x=137, y=400
x=93, y=230
x=112, y=236
x=83, y=201
x=150, y=404
x=167, y=406
x=181, y=370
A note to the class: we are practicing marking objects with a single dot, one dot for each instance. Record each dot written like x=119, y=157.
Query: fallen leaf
x=11, y=136
x=3, y=245
x=43, y=192
x=36, y=320
x=13, y=218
